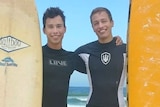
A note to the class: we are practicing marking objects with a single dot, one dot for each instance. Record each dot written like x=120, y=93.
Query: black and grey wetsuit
x=105, y=68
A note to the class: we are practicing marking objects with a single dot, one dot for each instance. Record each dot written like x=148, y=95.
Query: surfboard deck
x=144, y=54
x=20, y=54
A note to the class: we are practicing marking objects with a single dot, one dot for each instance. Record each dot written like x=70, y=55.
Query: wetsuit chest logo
x=105, y=57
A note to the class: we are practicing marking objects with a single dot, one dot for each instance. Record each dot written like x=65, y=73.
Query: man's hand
x=118, y=40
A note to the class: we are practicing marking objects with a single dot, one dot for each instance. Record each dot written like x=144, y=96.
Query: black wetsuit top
x=58, y=65
x=105, y=68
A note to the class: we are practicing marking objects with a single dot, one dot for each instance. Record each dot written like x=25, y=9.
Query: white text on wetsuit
x=57, y=62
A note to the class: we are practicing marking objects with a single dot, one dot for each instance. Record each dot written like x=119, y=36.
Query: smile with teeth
x=54, y=35
x=102, y=31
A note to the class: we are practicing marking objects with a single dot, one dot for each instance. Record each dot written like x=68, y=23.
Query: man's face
x=102, y=25
x=54, y=29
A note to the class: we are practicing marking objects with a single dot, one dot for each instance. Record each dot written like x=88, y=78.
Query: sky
x=79, y=30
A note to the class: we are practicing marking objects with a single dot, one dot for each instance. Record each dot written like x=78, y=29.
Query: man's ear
x=44, y=30
x=65, y=29
x=112, y=23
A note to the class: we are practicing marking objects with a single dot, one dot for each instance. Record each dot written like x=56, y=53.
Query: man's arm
x=119, y=40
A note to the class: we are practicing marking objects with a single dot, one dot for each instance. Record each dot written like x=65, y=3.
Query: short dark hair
x=100, y=9
x=52, y=12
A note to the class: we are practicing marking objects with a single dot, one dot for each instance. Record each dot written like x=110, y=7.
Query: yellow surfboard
x=144, y=54
x=20, y=54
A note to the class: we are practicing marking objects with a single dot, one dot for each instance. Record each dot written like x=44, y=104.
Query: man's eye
x=59, y=26
x=95, y=24
x=50, y=26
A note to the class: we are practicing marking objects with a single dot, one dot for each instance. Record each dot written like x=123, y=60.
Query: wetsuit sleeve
x=79, y=64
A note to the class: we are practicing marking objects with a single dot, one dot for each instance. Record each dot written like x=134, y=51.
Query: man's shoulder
x=86, y=46
x=122, y=47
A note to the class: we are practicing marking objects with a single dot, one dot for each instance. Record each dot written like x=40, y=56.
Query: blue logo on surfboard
x=10, y=44
x=7, y=62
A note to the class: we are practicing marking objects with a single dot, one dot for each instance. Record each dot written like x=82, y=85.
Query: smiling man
x=105, y=63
